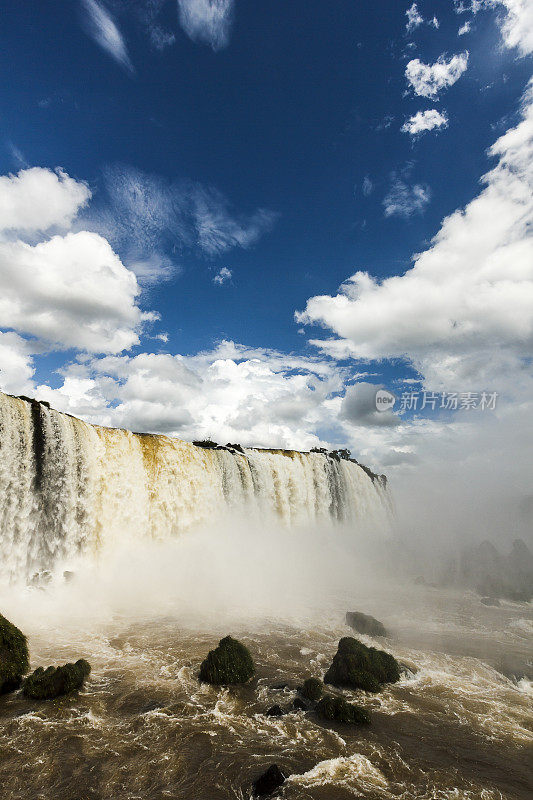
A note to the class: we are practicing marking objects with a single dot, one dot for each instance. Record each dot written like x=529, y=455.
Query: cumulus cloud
x=463, y=313
x=404, y=200
x=222, y=276
x=207, y=21
x=16, y=363
x=38, y=199
x=72, y=291
x=232, y=393
x=102, y=28
x=516, y=24
x=464, y=29
x=427, y=80
x=425, y=121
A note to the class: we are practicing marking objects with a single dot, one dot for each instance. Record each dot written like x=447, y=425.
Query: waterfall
x=71, y=489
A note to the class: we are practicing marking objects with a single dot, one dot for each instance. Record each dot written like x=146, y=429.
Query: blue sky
x=191, y=182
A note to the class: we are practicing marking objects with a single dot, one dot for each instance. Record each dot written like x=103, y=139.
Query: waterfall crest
x=68, y=488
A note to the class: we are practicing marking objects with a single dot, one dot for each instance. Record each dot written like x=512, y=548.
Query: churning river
x=139, y=553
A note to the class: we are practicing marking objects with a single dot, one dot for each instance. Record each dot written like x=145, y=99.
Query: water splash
x=69, y=489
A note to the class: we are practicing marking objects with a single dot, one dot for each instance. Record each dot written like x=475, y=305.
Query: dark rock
x=490, y=601
x=312, y=689
x=45, y=684
x=364, y=623
x=336, y=709
x=237, y=447
x=68, y=575
x=229, y=663
x=269, y=781
x=279, y=687
x=342, y=454
x=359, y=667
x=300, y=705
x=14, y=660
x=275, y=711
x=207, y=444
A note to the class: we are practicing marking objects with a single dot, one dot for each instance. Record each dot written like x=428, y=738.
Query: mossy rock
x=312, y=689
x=336, y=709
x=357, y=666
x=14, y=659
x=45, y=684
x=230, y=663
x=364, y=623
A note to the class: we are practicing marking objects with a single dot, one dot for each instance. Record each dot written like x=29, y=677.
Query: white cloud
x=38, y=199
x=71, y=291
x=102, y=28
x=160, y=37
x=146, y=216
x=414, y=18
x=223, y=275
x=463, y=314
x=464, y=29
x=427, y=80
x=517, y=24
x=218, y=229
x=368, y=186
x=207, y=21
x=231, y=393
x=147, y=12
x=17, y=155
x=404, y=200
x=425, y=121
x=16, y=364
x=516, y=21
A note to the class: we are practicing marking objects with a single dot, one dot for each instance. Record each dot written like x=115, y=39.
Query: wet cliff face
x=69, y=488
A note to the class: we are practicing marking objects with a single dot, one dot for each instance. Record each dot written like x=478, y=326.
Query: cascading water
x=70, y=489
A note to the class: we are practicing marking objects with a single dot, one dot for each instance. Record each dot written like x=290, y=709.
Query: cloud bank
x=464, y=311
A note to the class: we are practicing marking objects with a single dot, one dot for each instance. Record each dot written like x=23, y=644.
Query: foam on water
x=355, y=772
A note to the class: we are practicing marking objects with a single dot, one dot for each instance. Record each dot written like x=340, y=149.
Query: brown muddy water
x=144, y=728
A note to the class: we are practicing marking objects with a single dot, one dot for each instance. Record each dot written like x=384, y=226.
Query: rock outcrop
x=337, y=709
x=356, y=666
x=312, y=690
x=14, y=659
x=229, y=663
x=365, y=624
x=46, y=684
